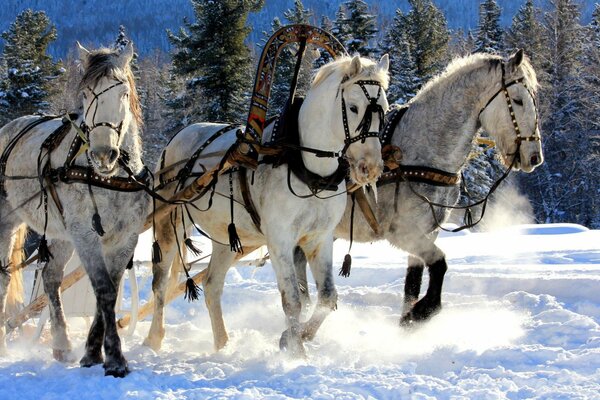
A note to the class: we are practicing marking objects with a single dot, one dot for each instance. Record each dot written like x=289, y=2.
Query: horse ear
x=83, y=53
x=126, y=54
x=384, y=63
x=355, y=67
x=515, y=60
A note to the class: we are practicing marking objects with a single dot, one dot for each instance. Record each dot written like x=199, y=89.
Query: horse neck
x=315, y=128
x=441, y=122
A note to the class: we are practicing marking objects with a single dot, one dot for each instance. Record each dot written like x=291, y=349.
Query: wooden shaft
x=36, y=306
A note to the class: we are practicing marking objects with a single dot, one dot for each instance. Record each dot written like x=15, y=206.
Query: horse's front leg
x=320, y=260
x=220, y=261
x=52, y=275
x=103, y=278
x=300, y=264
x=161, y=271
x=412, y=282
x=431, y=303
x=282, y=261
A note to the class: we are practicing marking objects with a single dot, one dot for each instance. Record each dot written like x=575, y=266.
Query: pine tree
x=362, y=28
x=427, y=31
x=341, y=29
x=489, y=31
x=211, y=54
x=404, y=81
x=526, y=33
x=30, y=71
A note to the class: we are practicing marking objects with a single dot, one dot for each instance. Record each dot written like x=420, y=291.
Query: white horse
x=100, y=149
x=296, y=206
x=436, y=133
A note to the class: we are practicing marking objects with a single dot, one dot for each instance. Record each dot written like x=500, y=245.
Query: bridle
x=365, y=124
x=88, y=129
x=504, y=89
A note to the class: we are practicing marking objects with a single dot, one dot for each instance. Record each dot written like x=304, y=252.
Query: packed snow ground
x=520, y=320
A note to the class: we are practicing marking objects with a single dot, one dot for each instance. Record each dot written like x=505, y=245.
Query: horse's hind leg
x=52, y=275
x=220, y=262
x=7, y=229
x=431, y=303
x=300, y=264
x=412, y=283
x=320, y=261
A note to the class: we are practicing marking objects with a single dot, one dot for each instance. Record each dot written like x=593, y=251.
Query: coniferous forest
x=202, y=68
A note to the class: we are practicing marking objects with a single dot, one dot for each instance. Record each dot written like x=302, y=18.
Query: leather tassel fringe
x=156, y=253
x=43, y=250
x=234, y=240
x=97, y=224
x=189, y=243
x=192, y=291
x=346, y=266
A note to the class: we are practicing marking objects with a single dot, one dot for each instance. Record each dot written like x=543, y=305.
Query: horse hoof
x=153, y=344
x=91, y=360
x=63, y=356
x=291, y=346
x=117, y=371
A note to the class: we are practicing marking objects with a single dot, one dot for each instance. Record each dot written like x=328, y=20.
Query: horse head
x=511, y=114
x=109, y=102
x=355, y=115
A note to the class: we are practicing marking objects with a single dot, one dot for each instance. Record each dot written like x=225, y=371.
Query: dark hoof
x=63, y=356
x=291, y=345
x=116, y=371
x=91, y=360
x=421, y=312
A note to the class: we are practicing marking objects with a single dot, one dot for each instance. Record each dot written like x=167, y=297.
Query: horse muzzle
x=364, y=171
x=104, y=159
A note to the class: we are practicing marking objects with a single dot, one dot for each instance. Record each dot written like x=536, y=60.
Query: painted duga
x=291, y=212
x=110, y=119
x=436, y=131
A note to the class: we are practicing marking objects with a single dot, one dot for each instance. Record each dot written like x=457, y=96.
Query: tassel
x=234, y=240
x=97, y=224
x=346, y=265
x=192, y=291
x=129, y=264
x=43, y=250
x=156, y=253
x=189, y=243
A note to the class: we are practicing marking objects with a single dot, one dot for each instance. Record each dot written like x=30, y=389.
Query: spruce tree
x=211, y=54
x=340, y=29
x=362, y=28
x=489, y=31
x=526, y=33
x=404, y=81
x=427, y=31
x=27, y=82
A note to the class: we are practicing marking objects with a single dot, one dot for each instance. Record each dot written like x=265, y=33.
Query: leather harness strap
x=248, y=203
x=421, y=174
x=367, y=211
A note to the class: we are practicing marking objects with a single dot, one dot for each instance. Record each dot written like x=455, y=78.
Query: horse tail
x=15, y=288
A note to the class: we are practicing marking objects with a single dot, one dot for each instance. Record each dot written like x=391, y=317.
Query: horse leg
x=412, y=283
x=104, y=327
x=160, y=278
x=220, y=262
x=320, y=261
x=7, y=229
x=431, y=303
x=282, y=261
x=52, y=275
x=300, y=264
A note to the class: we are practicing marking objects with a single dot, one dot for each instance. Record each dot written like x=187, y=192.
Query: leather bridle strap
x=365, y=123
x=88, y=129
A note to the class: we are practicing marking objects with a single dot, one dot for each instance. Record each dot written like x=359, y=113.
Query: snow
x=520, y=320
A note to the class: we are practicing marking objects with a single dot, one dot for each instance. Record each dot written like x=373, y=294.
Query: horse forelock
x=342, y=66
x=102, y=63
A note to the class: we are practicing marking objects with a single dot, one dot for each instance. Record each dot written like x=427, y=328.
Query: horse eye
x=354, y=109
x=518, y=102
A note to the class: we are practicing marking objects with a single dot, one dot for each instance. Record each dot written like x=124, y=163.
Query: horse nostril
x=112, y=156
x=535, y=159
